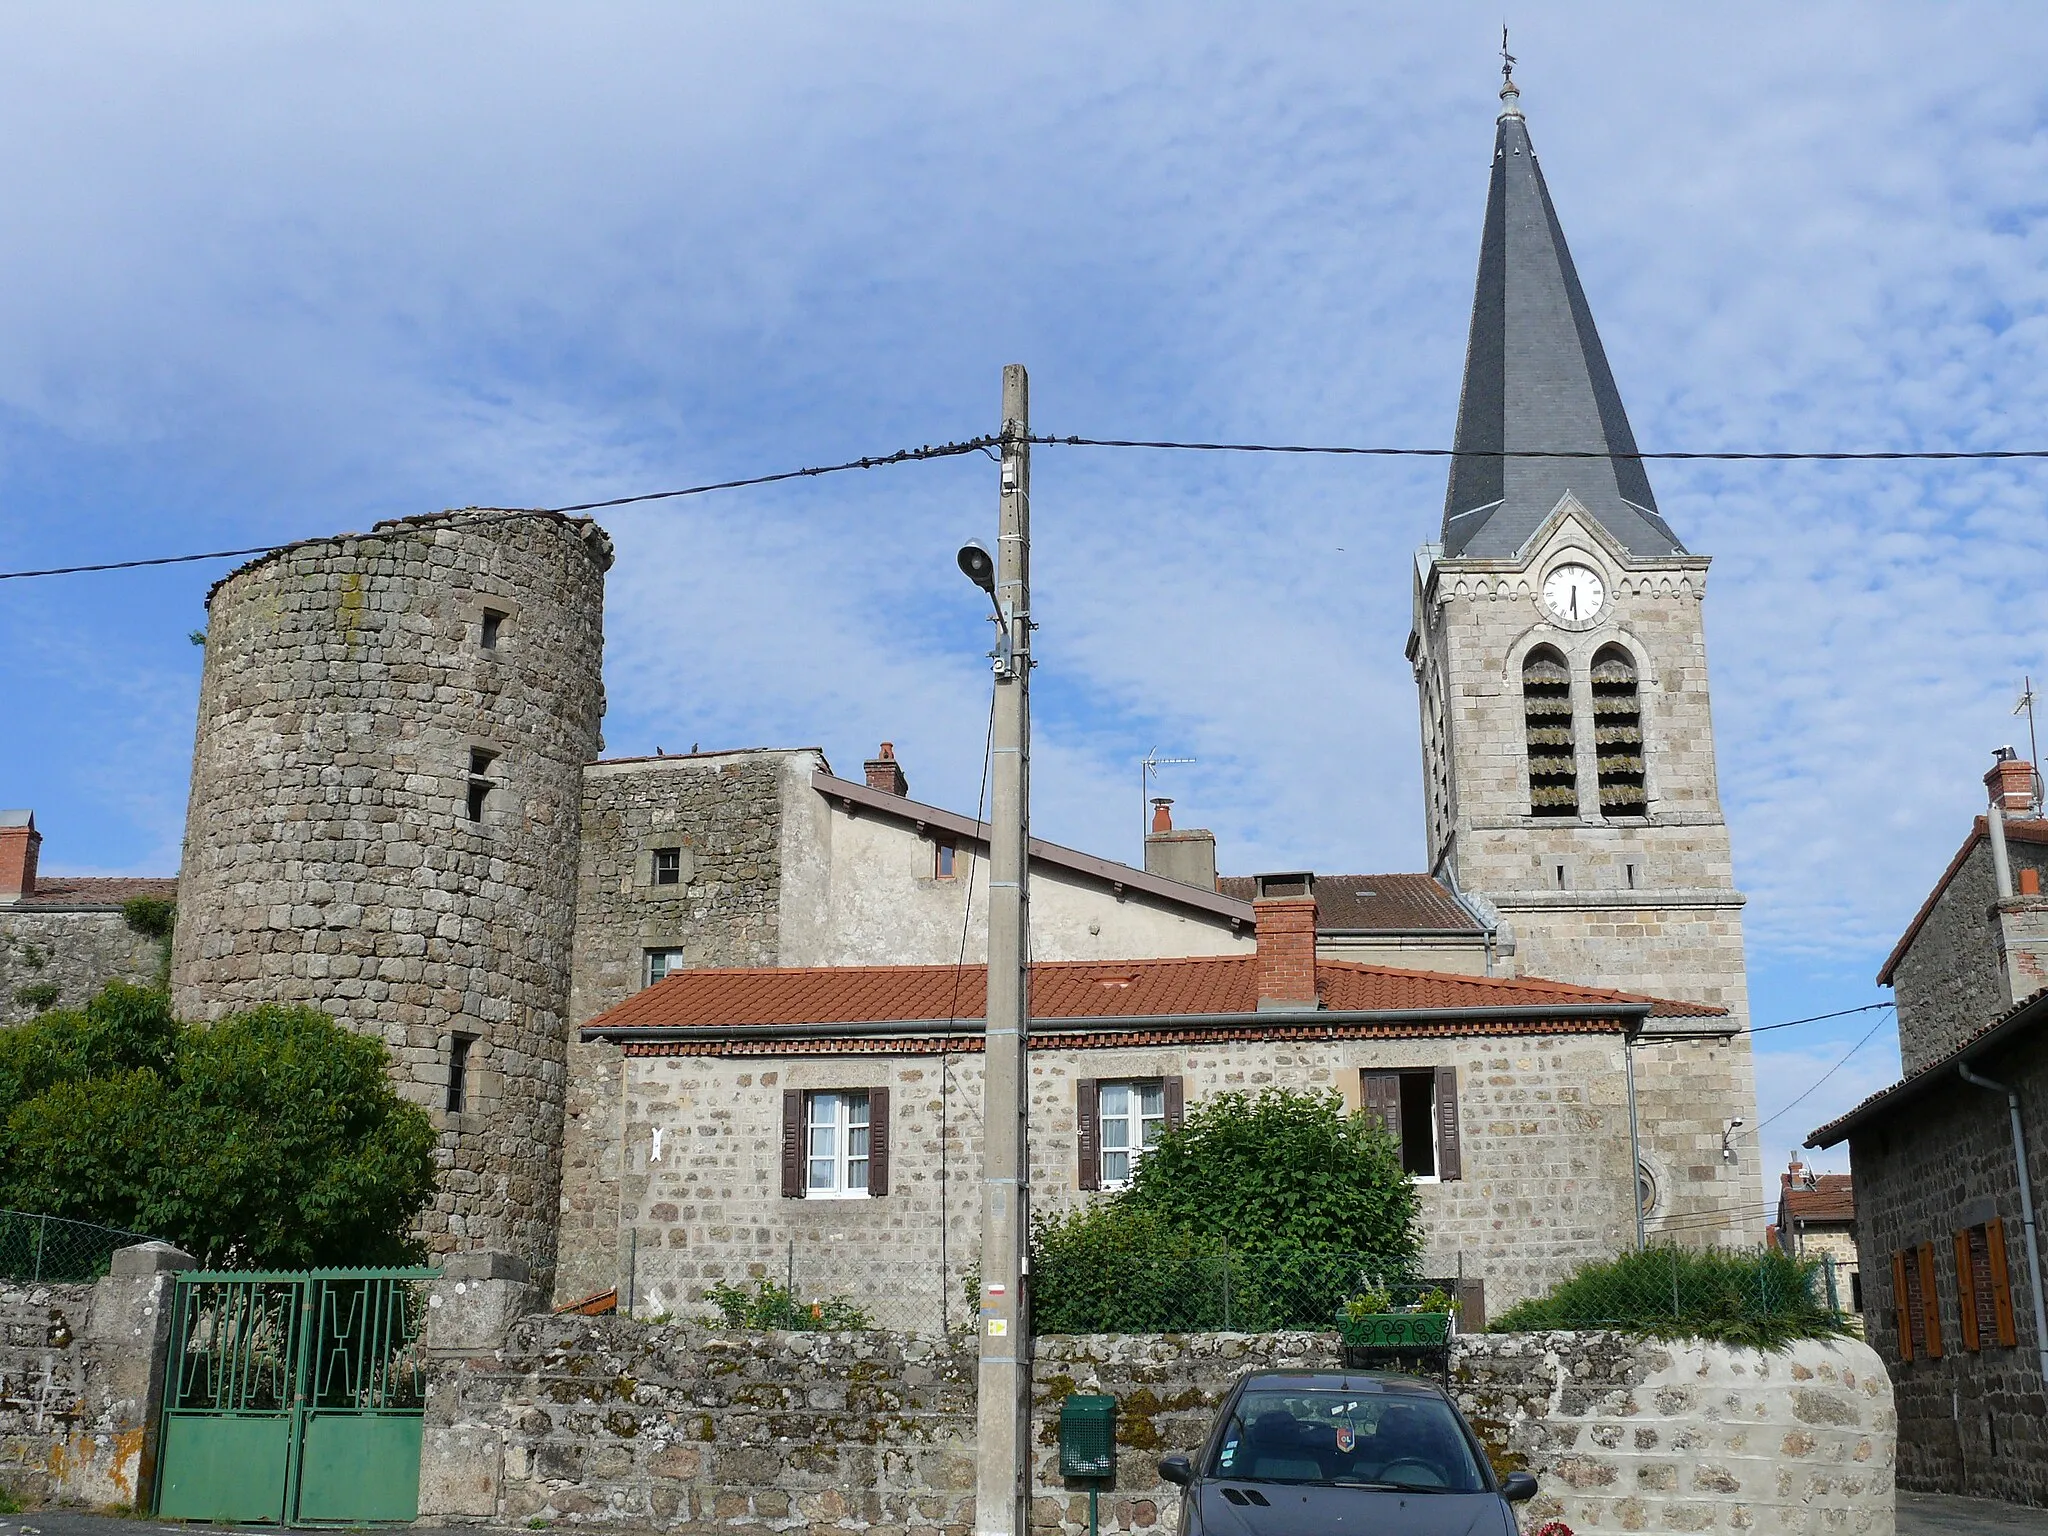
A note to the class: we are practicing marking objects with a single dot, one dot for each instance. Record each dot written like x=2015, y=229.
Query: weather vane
x=1507, y=60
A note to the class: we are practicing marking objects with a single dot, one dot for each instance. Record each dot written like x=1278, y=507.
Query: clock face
x=1574, y=593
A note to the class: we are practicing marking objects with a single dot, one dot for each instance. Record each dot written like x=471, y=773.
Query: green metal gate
x=294, y=1399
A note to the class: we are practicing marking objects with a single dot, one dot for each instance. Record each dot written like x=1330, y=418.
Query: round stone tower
x=386, y=787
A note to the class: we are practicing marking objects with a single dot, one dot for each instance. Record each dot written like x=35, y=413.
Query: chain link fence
x=54, y=1250
x=1762, y=1297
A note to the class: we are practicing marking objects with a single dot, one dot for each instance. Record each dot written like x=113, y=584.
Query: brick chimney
x=20, y=842
x=2011, y=782
x=1284, y=916
x=885, y=773
x=1188, y=856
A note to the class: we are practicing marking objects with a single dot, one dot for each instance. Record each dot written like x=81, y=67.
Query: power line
x=1874, y=456
x=1831, y=1071
x=1842, y=1013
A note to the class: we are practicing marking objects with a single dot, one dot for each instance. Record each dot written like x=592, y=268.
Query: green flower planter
x=1394, y=1330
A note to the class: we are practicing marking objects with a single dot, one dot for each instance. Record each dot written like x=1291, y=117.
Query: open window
x=459, y=1047
x=1618, y=733
x=1547, y=734
x=493, y=627
x=481, y=781
x=1418, y=1107
x=1984, y=1287
x=661, y=963
x=835, y=1144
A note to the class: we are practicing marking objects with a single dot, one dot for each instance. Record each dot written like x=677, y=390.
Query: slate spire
x=1537, y=377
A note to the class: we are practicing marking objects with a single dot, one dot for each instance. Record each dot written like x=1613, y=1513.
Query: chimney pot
x=2011, y=782
x=20, y=843
x=1284, y=918
x=1162, y=815
x=885, y=773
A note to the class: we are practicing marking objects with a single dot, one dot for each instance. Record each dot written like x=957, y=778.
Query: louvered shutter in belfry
x=1383, y=1101
x=1449, y=1162
x=878, y=1141
x=1088, y=1133
x=793, y=1145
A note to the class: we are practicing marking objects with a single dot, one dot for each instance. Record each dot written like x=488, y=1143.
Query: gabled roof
x=1377, y=904
x=2026, y=831
x=2017, y=1021
x=1536, y=377
x=1213, y=996
x=91, y=893
x=1832, y=1199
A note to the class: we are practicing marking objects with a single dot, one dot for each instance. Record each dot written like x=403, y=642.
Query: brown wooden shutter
x=1088, y=1133
x=878, y=1141
x=1966, y=1290
x=792, y=1145
x=1930, y=1302
x=1902, y=1309
x=1449, y=1162
x=2001, y=1283
x=1383, y=1101
x=1174, y=1091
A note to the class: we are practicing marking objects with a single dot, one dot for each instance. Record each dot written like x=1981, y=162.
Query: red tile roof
x=93, y=891
x=2026, y=831
x=1376, y=904
x=1833, y=1199
x=1139, y=990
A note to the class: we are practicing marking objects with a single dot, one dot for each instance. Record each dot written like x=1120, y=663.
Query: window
x=1418, y=1107
x=1618, y=733
x=1646, y=1189
x=942, y=861
x=494, y=624
x=835, y=1144
x=1983, y=1287
x=458, y=1072
x=1547, y=731
x=1117, y=1121
x=1915, y=1307
x=663, y=962
x=1132, y=1116
x=480, y=782
x=668, y=866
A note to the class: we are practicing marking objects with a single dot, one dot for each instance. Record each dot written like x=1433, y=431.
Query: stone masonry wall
x=330, y=858
x=78, y=951
x=1544, y=1136
x=604, y=1421
x=723, y=812
x=1970, y=1422
x=1952, y=981
x=42, y=1382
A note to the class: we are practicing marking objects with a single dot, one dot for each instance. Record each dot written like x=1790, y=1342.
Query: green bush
x=771, y=1306
x=1765, y=1299
x=37, y=995
x=1114, y=1268
x=1282, y=1170
x=271, y=1139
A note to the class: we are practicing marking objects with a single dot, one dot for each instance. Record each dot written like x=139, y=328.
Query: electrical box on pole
x=1003, y=1442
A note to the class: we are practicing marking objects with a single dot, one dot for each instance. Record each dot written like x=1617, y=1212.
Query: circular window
x=1646, y=1189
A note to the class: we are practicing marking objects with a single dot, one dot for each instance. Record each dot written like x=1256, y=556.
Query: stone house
x=1817, y=1220
x=63, y=936
x=1947, y=1161
x=831, y=1114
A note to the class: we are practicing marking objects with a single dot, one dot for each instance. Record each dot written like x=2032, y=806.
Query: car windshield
x=1406, y=1440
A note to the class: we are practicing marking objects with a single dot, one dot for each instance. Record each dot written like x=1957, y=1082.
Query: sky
x=275, y=272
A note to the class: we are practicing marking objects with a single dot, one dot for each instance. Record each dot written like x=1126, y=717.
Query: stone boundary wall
x=81, y=1378
x=605, y=1421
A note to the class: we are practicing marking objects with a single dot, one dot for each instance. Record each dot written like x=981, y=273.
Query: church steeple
x=1536, y=377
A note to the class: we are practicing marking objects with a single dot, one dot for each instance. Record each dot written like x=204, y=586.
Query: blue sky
x=271, y=272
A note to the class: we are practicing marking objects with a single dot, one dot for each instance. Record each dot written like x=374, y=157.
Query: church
x=681, y=1019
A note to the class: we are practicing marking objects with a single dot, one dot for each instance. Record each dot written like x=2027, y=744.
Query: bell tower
x=1567, y=729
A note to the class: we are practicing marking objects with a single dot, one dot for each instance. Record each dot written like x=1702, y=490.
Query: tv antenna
x=2026, y=703
x=1148, y=770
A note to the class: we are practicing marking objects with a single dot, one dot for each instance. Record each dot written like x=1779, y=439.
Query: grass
x=1763, y=1299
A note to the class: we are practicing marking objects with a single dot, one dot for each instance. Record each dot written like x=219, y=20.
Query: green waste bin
x=1088, y=1436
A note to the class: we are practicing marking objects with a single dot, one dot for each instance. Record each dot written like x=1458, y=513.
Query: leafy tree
x=271, y=1139
x=1282, y=1170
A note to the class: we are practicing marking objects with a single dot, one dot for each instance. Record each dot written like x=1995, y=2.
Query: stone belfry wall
x=353, y=690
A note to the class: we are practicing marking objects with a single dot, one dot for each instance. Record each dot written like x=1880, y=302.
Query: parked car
x=1338, y=1452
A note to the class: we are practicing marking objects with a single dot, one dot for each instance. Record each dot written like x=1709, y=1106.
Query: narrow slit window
x=1547, y=727
x=494, y=624
x=458, y=1072
x=1618, y=733
x=480, y=781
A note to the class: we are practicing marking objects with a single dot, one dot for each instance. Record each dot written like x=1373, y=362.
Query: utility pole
x=1003, y=1444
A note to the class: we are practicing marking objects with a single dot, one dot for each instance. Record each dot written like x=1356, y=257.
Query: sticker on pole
x=997, y=1327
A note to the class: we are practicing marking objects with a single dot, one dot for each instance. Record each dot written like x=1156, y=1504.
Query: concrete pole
x=1003, y=1447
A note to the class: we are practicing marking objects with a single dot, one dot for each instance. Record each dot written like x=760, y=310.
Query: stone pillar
x=470, y=1310
x=128, y=1338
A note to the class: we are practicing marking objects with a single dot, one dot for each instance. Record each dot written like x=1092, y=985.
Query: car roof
x=1343, y=1381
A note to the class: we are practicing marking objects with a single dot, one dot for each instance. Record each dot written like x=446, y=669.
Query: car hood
x=1293, y=1510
